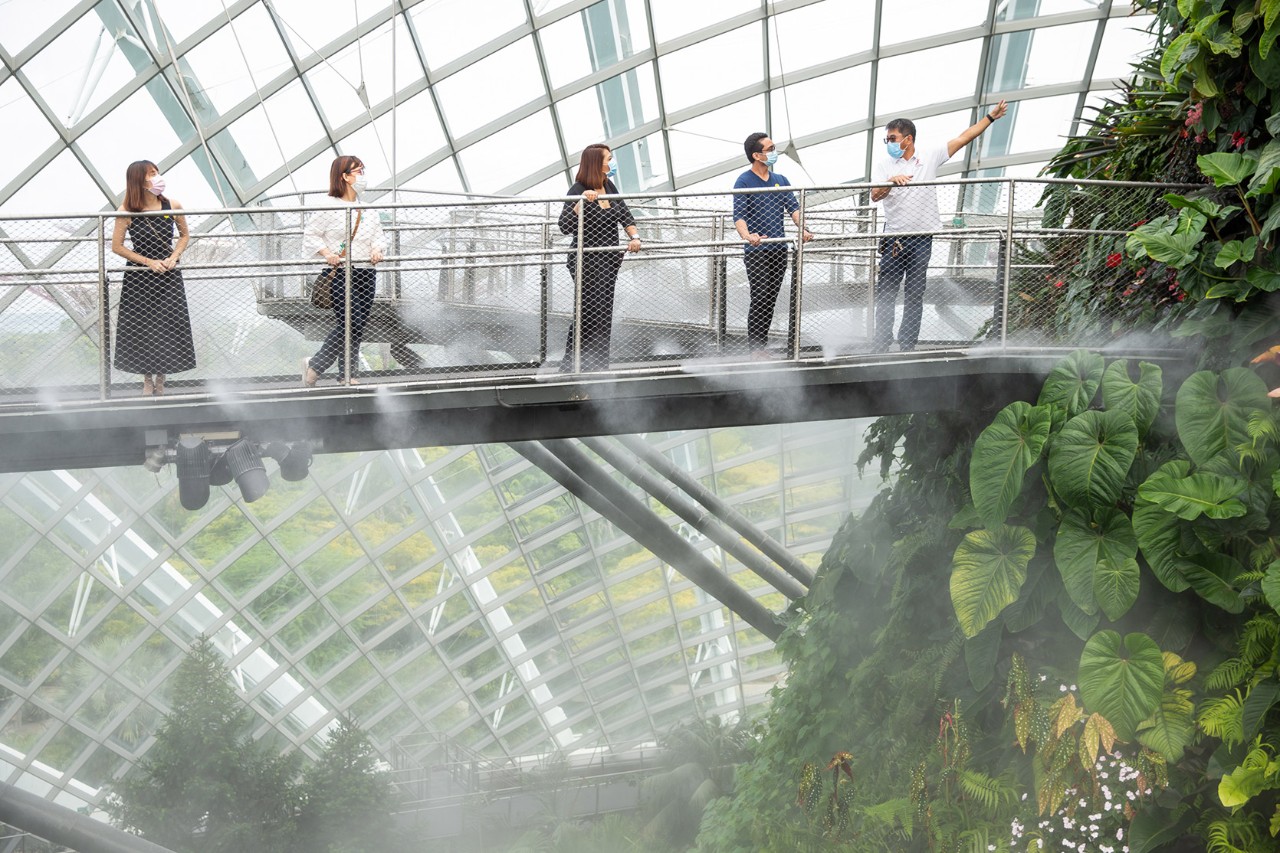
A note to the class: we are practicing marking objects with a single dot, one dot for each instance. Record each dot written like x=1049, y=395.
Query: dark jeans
x=363, y=285
x=765, y=270
x=599, y=279
x=901, y=259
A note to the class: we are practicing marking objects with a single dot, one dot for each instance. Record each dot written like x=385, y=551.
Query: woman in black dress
x=153, y=327
x=600, y=222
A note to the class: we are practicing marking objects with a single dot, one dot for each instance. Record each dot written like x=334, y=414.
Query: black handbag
x=322, y=287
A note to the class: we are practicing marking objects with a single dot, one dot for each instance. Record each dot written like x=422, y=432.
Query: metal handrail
x=480, y=238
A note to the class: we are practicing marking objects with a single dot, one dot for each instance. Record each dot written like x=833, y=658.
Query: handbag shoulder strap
x=352, y=239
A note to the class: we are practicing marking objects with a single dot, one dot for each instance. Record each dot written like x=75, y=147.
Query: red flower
x=1128, y=292
x=1142, y=271
x=1114, y=259
x=1238, y=139
x=1059, y=283
x=1139, y=223
x=1181, y=296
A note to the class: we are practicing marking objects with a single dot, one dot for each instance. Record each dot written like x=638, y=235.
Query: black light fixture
x=216, y=458
x=194, y=461
x=294, y=457
x=245, y=465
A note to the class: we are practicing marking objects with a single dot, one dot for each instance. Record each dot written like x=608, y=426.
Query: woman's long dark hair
x=135, y=185
x=591, y=166
x=341, y=166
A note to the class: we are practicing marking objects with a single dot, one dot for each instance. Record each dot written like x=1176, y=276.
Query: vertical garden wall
x=1059, y=627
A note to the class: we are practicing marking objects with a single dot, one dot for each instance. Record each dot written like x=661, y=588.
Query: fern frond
x=1228, y=674
x=991, y=793
x=1223, y=836
x=899, y=815
x=1258, y=639
x=1223, y=718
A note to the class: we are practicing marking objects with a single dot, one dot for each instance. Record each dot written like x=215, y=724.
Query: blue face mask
x=895, y=150
x=613, y=170
x=771, y=158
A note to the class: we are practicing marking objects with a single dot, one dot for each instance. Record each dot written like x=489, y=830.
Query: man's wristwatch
x=991, y=118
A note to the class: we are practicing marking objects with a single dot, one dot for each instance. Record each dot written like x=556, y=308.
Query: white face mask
x=359, y=184
x=156, y=187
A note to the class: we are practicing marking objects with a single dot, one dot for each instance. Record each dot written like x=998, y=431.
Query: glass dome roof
x=241, y=99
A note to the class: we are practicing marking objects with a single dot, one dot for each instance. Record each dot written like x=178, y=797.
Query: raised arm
x=977, y=129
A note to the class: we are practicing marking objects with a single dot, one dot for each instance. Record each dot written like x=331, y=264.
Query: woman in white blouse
x=327, y=234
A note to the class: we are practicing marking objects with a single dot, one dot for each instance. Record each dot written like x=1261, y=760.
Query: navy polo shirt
x=763, y=212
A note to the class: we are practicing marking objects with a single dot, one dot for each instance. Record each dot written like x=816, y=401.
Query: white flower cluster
x=1084, y=826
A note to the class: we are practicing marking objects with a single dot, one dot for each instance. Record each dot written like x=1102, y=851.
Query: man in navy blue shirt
x=759, y=218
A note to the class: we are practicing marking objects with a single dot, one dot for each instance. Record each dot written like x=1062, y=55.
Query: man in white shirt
x=904, y=250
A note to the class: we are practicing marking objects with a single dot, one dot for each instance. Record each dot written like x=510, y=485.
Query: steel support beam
x=586, y=480
x=700, y=518
x=61, y=825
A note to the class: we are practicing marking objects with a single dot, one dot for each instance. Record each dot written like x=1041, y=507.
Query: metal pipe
x=703, y=521
x=730, y=516
x=1008, y=258
x=61, y=825
x=104, y=313
x=797, y=283
x=577, y=291
x=573, y=469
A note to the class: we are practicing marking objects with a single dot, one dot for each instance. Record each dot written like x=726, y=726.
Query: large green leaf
x=1084, y=551
x=981, y=653
x=1116, y=585
x=1174, y=248
x=1236, y=250
x=1081, y=624
x=1160, y=537
x=1122, y=679
x=1264, y=179
x=1190, y=497
x=1172, y=728
x=1271, y=585
x=1226, y=168
x=1139, y=400
x=1073, y=382
x=1210, y=575
x=1262, y=696
x=1002, y=455
x=1212, y=411
x=1090, y=458
x=987, y=573
x=1248, y=780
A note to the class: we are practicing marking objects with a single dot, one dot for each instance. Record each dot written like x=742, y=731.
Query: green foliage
x=205, y=785
x=1122, y=679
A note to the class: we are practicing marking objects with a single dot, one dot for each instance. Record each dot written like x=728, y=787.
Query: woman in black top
x=600, y=221
x=153, y=327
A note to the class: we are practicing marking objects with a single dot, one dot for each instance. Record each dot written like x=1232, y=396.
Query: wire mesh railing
x=515, y=288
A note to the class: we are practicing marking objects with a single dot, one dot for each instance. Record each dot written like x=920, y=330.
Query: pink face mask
x=156, y=187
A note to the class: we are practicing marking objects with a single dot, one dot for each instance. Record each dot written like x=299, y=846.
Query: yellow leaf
x=1176, y=670
x=1065, y=713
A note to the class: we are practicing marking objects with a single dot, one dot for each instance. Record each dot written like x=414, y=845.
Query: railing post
x=1008, y=264
x=713, y=281
x=722, y=294
x=797, y=284
x=544, y=282
x=577, y=290
x=346, y=298
x=104, y=312
x=873, y=270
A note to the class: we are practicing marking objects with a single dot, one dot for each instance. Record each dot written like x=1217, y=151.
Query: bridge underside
x=499, y=408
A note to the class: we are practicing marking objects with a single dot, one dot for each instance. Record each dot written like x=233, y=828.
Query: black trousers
x=599, y=279
x=904, y=262
x=766, y=268
x=363, y=286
